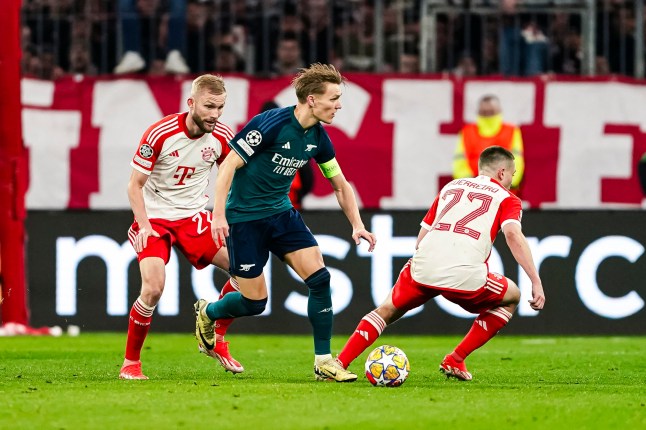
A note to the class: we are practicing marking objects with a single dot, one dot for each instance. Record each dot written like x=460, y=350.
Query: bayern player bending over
x=167, y=194
x=450, y=259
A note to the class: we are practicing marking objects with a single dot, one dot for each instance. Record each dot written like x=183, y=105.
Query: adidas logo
x=482, y=324
x=363, y=334
x=286, y=146
x=174, y=154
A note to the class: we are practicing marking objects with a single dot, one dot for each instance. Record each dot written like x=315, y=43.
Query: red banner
x=394, y=137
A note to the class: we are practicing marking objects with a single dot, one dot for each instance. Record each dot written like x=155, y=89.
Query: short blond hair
x=312, y=80
x=213, y=83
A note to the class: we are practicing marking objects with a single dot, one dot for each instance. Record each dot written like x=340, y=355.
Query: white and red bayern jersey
x=178, y=166
x=463, y=222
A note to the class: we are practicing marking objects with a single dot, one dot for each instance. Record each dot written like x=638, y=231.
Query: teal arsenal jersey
x=274, y=146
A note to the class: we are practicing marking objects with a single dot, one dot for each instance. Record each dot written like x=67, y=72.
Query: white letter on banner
x=340, y=284
x=586, y=277
x=123, y=110
x=420, y=153
x=70, y=253
x=551, y=246
x=586, y=154
x=49, y=146
x=381, y=266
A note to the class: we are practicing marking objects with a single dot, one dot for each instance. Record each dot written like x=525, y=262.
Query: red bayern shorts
x=192, y=236
x=409, y=294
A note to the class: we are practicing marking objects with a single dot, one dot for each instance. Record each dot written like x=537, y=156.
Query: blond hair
x=313, y=80
x=213, y=83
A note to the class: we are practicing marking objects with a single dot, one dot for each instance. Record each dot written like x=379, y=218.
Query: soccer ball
x=387, y=366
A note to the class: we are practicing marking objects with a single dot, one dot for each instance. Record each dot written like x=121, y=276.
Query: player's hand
x=219, y=230
x=141, y=240
x=362, y=233
x=538, y=297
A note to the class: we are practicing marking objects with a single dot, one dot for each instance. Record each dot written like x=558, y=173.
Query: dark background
x=565, y=313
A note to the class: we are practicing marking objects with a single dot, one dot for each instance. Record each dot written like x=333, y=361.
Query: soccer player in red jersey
x=450, y=259
x=167, y=192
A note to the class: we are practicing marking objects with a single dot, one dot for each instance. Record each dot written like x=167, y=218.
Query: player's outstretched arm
x=520, y=250
x=348, y=202
x=226, y=170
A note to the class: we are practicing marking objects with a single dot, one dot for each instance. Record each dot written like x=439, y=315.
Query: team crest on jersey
x=253, y=138
x=146, y=150
x=208, y=153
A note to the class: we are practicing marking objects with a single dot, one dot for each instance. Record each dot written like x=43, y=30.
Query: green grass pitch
x=519, y=382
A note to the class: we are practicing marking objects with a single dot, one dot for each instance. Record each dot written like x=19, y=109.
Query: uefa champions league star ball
x=387, y=366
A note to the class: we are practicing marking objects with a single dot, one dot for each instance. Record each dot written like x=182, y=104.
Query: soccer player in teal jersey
x=253, y=214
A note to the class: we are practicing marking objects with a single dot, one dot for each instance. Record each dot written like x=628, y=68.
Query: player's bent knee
x=512, y=296
x=389, y=313
x=152, y=291
x=319, y=279
x=254, y=307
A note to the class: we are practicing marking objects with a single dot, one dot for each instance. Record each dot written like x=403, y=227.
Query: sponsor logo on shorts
x=246, y=267
x=146, y=150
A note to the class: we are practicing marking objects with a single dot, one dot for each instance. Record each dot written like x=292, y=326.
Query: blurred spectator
x=80, y=61
x=488, y=130
x=534, y=50
x=49, y=26
x=264, y=30
x=227, y=60
x=199, y=28
x=49, y=69
x=622, y=40
x=316, y=37
x=147, y=33
x=288, y=56
x=30, y=63
x=601, y=66
x=354, y=37
x=187, y=35
x=565, y=45
x=466, y=67
x=409, y=59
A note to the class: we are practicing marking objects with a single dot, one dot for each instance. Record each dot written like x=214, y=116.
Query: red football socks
x=368, y=330
x=483, y=329
x=140, y=317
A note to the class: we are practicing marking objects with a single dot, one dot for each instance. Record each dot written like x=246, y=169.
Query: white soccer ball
x=387, y=366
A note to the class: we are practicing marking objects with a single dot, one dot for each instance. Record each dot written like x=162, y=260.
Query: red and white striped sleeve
x=152, y=142
x=224, y=134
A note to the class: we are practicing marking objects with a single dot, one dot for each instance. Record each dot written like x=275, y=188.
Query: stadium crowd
x=275, y=37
